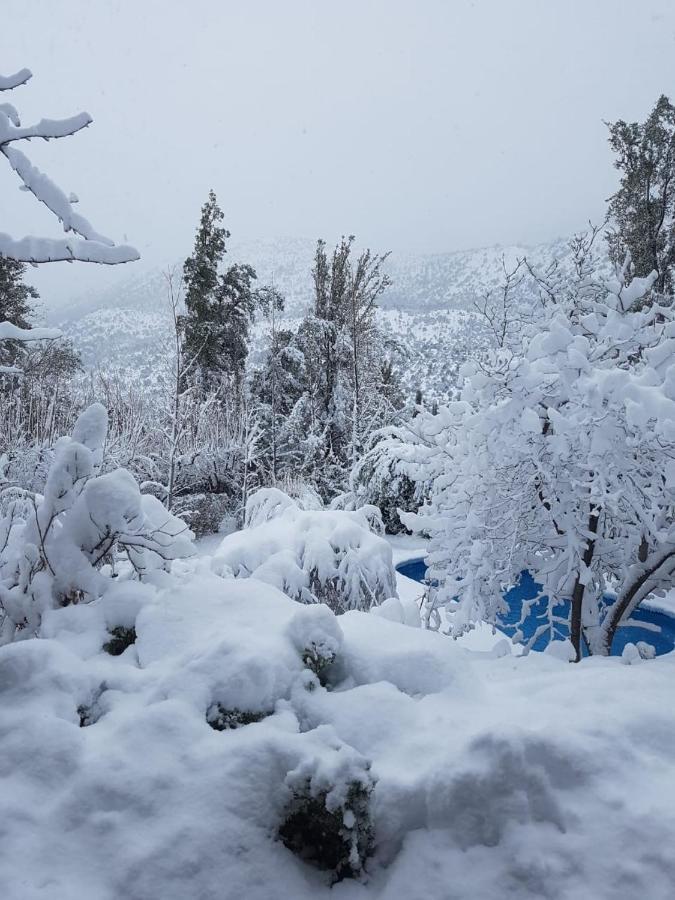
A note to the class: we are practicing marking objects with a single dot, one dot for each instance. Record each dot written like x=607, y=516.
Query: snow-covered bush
x=314, y=556
x=317, y=636
x=327, y=821
x=55, y=548
x=204, y=512
x=558, y=459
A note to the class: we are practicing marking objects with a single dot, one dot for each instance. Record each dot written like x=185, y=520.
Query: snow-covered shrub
x=266, y=504
x=222, y=719
x=317, y=636
x=314, y=556
x=327, y=820
x=401, y=610
x=121, y=637
x=55, y=547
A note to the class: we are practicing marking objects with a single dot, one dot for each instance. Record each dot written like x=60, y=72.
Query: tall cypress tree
x=219, y=306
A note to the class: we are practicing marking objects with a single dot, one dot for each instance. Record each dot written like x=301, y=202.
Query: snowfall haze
x=425, y=127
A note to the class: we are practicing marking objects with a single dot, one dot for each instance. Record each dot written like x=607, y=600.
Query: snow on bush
x=317, y=637
x=328, y=821
x=314, y=556
x=402, y=610
x=56, y=548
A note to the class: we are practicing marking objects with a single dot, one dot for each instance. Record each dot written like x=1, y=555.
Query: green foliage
x=16, y=305
x=318, y=660
x=222, y=719
x=642, y=211
x=338, y=840
x=220, y=307
x=121, y=638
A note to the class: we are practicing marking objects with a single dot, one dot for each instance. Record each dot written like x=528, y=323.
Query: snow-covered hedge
x=56, y=548
x=314, y=556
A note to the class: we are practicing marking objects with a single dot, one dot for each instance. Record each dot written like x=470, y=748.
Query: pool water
x=663, y=640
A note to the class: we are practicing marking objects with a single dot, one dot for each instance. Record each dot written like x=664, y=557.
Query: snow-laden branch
x=47, y=129
x=41, y=250
x=10, y=332
x=9, y=82
x=95, y=247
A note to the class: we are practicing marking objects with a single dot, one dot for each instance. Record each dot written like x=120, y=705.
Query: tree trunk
x=579, y=589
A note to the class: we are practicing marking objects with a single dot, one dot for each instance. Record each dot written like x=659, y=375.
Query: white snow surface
x=496, y=776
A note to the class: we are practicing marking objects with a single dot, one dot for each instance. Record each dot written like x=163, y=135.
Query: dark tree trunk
x=579, y=588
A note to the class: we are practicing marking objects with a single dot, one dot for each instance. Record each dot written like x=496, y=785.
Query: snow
x=310, y=555
x=94, y=247
x=487, y=781
x=10, y=332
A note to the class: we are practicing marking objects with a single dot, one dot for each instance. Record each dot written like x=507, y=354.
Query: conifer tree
x=219, y=307
x=15, y=305
x=642, y=211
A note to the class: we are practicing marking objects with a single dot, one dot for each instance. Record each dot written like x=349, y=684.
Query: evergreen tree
x=220, y=307
x=16, y=305
x=642, y=211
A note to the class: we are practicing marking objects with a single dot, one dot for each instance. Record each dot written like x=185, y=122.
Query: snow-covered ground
x=495, y=775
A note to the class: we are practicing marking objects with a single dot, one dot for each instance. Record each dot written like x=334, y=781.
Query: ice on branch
x=89, y=245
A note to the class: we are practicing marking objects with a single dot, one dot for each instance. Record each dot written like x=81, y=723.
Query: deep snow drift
x=495, y=775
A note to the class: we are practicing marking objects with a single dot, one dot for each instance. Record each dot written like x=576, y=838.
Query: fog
x=420, y=127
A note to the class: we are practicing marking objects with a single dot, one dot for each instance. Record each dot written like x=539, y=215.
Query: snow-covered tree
x=559, y=458
x=381, y=478
x=54, y=546
x=87, y=244
x=220, y=306
x=642, y=211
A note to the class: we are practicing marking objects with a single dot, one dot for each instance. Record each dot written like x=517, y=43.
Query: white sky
x=421, y=126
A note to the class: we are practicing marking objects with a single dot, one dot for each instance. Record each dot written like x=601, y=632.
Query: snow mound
x=474, y=774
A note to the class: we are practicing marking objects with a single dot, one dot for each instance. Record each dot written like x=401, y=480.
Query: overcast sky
x=418, y=126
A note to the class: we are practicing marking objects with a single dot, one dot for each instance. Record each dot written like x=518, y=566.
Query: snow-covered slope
x=428, y=306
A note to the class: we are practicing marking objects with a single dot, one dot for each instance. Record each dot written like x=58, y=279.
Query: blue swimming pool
x=663, y=640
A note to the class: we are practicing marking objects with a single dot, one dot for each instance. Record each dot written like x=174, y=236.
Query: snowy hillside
x=428, y=308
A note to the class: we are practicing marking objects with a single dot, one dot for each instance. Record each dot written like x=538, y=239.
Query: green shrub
x=339, y=839
x=222, y=719
x=120, y=639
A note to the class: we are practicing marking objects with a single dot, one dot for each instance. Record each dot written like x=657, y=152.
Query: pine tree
x=642, y=211
x=219, y=307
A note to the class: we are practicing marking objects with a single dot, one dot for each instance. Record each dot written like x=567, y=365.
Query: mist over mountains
x=428, y=305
